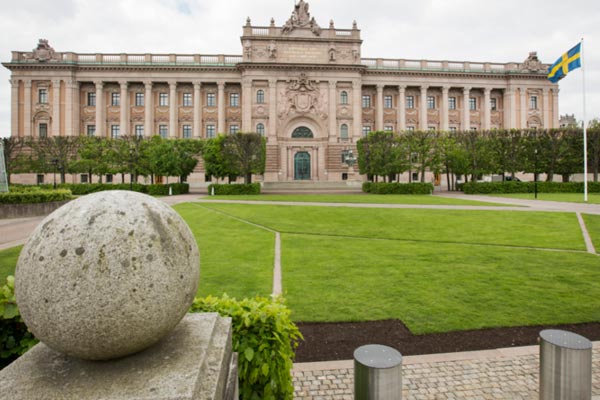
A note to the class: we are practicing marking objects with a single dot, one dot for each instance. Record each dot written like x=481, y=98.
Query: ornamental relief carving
x=368, y=111
x=210, y=110
x=389, y=111
x=186, y=118
x=42, y=107
x=412, y=111
x=162, y=118
x=411, y=120
x=113, y=110
x=259, y=110
x=344, y=110
x=301, y=97
x=89, y=111
x=137, y=109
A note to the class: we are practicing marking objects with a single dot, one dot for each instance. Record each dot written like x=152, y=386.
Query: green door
x=302, y=166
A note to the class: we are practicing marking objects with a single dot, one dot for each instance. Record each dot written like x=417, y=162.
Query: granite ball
x=107, y=275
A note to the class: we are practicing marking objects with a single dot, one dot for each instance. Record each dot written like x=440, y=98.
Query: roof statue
x=532, y=63
x=301, y=19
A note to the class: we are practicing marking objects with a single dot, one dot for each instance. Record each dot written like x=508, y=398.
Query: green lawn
x=592, y=223
x=8, y=262
x=357, y=198
x=593, y=198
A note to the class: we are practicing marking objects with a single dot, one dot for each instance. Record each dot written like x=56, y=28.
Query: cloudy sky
x=455, y=30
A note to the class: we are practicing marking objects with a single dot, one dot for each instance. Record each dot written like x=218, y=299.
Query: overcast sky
x=455, y=30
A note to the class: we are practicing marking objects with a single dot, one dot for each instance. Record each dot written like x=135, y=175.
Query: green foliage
x=265, y=338
x=235, y=189
x=528, y=187
x=380, y=154
x=35, y=196
x=163, y=190
x=246, y=153
x=397, y=188
x=15, y=339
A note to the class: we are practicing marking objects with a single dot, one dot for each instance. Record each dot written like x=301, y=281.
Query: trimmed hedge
x=528, y=187
x=233, y=189
x=80, y=189
x=163, y=190
x=35, y=196
x=397, y=188
x=265, y=338
x=15, y=338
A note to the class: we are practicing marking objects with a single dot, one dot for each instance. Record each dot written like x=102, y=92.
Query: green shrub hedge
x=233, y=189
x=397, y=188
x=528, y=187
x=15, y=338
x=265, y=338
x=80, y=189
x=163, y=190
x=35, y=196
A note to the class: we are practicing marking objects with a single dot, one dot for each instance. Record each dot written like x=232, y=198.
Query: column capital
x=380, y=87
x=332, y=84
x=445, y=89
x=99, y=84
x=56, y=82
x=272, y=82
x=197, y=85
x=402, y=88
x=545, y=90
x=123, y=84
x=424, y=88
x=487, y=90
x=172, y=84
x=148, y=85
x=247, y=83
x=221, y=84
x=27, y=83
x=357, y=84
x=467, y=90
x=14, y=82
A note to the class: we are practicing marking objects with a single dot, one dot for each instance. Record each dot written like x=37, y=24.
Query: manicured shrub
x=15, y=338
x=163, y=190
x=528, y=187
x=79, y=189
x=35, y=196
x=397, y=188
x=234, y=189
x=265, y=338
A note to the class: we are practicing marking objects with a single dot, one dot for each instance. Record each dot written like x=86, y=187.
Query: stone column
x=173, y=117
x=523, y=93
x=487, y=109
x=272, y=108
x=148, y=109
x=546, y=108
x=14, y=107
x=423, y=109
x=357, y=109
x=124, y=110
x=100, y=123
x=221, y=128
x=379, y=108
x=555, y=114
x=69, y=106
x=197, y=110
x=76, y=109
x=247, y=107
x=333, y=131
x=401, y=108
x=56, y=108
x=445, y=119
x=27, y=109
x=507, y=104
x=466, y=125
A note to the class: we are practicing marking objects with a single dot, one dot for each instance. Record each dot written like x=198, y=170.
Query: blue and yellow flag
x=568, y=62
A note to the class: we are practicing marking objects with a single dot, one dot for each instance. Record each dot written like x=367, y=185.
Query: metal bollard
x=377, y=373
x=565, y=366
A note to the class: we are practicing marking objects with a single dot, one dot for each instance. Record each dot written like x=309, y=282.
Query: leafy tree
x=93, y=157
x=215, y=163
x=381, y=154
x=58, y=152
x=593, y=139
x=246, y=153
x=506, y=148
x=13, y=154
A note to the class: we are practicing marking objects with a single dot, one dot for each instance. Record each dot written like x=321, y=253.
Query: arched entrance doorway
x=302, y=166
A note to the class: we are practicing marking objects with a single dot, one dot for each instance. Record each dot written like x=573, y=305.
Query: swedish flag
x=568, y=62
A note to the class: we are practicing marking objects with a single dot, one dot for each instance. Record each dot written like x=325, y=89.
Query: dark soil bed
x=337, y=341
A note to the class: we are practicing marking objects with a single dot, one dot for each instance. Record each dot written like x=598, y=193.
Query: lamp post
x=54, y=164
x=535, y=172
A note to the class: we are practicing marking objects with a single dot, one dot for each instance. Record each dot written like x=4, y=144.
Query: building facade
x=305, y=88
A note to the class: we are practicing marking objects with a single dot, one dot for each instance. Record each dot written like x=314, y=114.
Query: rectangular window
x=493, y=104
x=415, y=176
x=187, y=100
x=387, y=102
x=43, y=130
x=115, y=99
x=91, y=130
x=366, y=129
x=211, y=100
x=472, y=103
x=163, y=99
x=91, y=99
x=452, y=103
x=430, y=102
x=109, y=178
x=432, y=129
x=187, y=131
x=43, y=96
x=410, y=128
x=366, y=101
x=388, y=128
x=40, y=179
x=83, y=178
x=452, y=129
x=163, y=131
x=139, y=99
x=115, y=130
x=210, y=131
x=533, y=104
x=410, y=102
x=233, y=129
x=139, y=130
x=234, y=99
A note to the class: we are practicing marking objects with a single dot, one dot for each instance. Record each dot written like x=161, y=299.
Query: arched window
x=260, y=129
x=302, y=132
x=260, y=96
x=344, y=97
x=344, y=131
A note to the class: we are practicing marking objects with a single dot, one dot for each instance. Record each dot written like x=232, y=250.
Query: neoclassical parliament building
x=305, y=87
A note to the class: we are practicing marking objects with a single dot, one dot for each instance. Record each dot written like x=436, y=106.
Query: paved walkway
x=510, y=374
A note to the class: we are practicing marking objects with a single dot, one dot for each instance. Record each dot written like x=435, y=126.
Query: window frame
x=366, y=101
x=431, y=102
x=233, y=129
x=115, y=131
x=163, y=99
x=90, y=130
x=188, y=100
x=186, y=131
x=388, y=101
x=211, y=99
x=452, y=103
x=533, y=102
x=344, y=131
x=139, y=130
x=260, y=129
x=366, y=129
x=260, y=96
x=211, y=131
x=163, y=131
x=410, y=102
x=43, y=96
x=115, y=99
x=43, y=125
x=140, y=101
x=91, y=99
x=472, y=103
x=493, y=104
x=344, y=98
x=234, y=99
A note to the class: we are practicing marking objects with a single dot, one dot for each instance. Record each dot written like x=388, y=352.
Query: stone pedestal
x=194, y=362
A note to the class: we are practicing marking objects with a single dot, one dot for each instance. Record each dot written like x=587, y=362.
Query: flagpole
x=585, y=158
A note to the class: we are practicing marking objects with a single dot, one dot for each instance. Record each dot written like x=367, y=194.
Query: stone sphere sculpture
x=107, y=275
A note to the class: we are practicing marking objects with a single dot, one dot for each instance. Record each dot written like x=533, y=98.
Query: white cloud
x=494, y=30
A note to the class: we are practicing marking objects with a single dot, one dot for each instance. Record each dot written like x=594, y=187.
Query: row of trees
x=225, y=156
x=474, y=153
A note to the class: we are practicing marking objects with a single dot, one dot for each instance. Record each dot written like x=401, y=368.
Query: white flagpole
x=585, y=158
